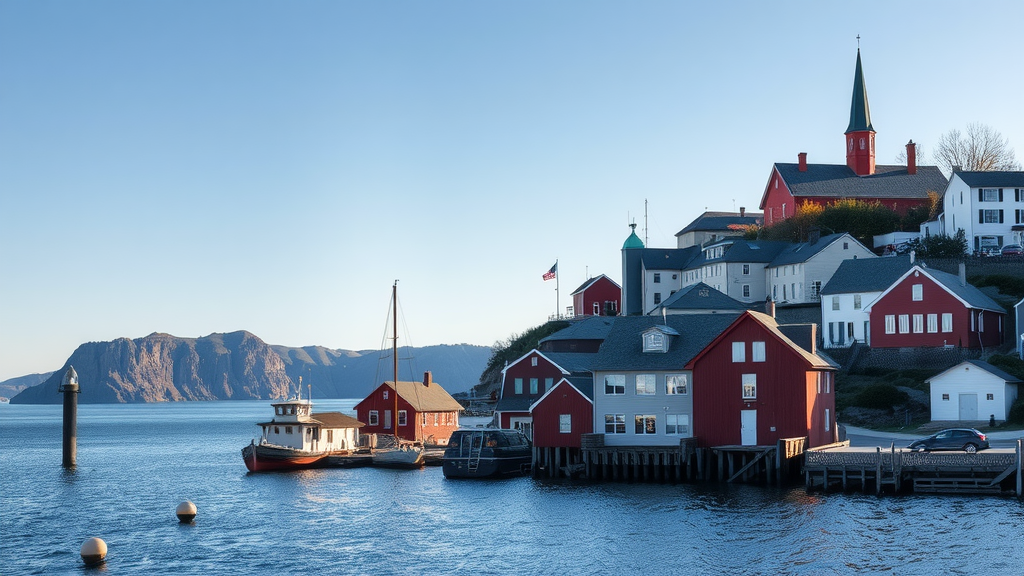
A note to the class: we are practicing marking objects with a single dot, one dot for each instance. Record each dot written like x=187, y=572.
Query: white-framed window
x=988, y=195
x=933, y=323
x=403, y=417
x=945, y=397
x=918, y=323
x=757, y=351
x=749, y=386
x=385, y=394
x=990, y=216
x=615, y=384
x=654, y=342
x=657, y=278
x=739, y=351
x=917, y=292
x=677, y=384
x=746, y=269
x=890, y=323
x=746, y=290
x=657, y=297
x=533, y=361
x=534, y=385
x=947, y=321
x=646, y=384
x=564, y=423
x=835, y=302
x=856, y=301
x=519, y=385
x=677, y=424
x=614, y=423
x=645, y=424
x=904, y=323
x=374, y=418
x=827, y=420
x=548, y=383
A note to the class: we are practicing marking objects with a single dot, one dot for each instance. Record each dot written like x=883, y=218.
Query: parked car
x=1012, y=250
x=967, y=439
x=987, y=251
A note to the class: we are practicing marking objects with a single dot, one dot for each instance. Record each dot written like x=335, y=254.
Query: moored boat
x=296, y=438
x=487, y=453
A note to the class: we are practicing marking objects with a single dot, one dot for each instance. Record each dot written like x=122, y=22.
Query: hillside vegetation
x=506, y=351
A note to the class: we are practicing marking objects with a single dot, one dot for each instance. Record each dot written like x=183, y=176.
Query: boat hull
x=493, y=467
x=404, y=457
x=265, y=458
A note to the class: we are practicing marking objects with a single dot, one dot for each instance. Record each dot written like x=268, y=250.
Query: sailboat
x=401, y=454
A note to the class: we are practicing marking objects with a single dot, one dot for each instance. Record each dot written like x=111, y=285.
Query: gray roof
x=668, y=258
x=993, y=179
x=804, y=251
x=739, y=251
x=968, y=293
x=839, y=181
x=722, y=221
x=574, y=362
x=986, y=367
x=623, y=348
x=700, y=296
x=866, y=275
x=590, y=328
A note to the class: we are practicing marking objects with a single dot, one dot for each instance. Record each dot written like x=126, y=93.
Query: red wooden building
x=426, y=412
x=926, y=307
x=598, y=296
x=753, y=385
x=523, y=383
x=563, y=414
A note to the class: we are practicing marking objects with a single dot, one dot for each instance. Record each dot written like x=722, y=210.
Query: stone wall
x=903, y=358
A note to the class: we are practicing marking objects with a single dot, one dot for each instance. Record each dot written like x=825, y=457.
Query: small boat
x=297, y=439
x=487, y=453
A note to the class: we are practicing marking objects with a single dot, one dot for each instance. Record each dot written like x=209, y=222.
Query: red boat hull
x=259, y=458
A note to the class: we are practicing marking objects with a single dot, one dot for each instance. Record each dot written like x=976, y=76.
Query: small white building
x=296, y=426
x=987, y=206
x=972, y=390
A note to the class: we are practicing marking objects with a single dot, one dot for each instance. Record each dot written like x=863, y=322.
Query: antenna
x=645, y=222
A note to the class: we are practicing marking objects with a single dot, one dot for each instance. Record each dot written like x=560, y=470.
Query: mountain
x=241, y=366
x=12, y=386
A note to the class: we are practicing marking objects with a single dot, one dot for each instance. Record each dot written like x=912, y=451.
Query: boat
x=392, y=451
x=297, y=439
x=487, y=453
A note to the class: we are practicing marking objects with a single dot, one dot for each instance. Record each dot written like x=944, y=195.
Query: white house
x=798, y=273
x=972, y=390
x=1018, y=314
x=735, y=267
x=846, y=297
x=987, y=206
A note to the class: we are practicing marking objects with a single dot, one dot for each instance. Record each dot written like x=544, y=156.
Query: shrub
x=1016, y=415
x=1008, y=363
x=882, y=395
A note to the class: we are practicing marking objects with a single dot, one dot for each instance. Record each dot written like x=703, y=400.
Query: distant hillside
x=8, y=388
x=240, y=366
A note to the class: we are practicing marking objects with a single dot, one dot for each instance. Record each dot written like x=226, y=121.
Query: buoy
x=186, y=512
x=94, y=551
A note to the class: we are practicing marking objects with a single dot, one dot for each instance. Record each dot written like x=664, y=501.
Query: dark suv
x=967, y=439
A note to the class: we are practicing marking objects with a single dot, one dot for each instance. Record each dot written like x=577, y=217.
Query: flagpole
x=557, y=302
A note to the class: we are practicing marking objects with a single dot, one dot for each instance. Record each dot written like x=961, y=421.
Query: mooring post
x=69, y=386
x=1020, y=467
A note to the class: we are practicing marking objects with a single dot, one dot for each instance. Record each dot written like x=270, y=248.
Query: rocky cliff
x=241, y=366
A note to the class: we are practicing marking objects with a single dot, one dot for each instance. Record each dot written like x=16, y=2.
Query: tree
x=982, y=148
x=940, y=245
x=901, y=158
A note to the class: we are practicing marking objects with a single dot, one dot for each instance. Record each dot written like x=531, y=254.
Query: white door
x=968, y=406
x=748, y=427
x=524, y=425
x=387, y=419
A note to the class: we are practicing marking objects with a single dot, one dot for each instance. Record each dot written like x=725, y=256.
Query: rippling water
x=137, y=462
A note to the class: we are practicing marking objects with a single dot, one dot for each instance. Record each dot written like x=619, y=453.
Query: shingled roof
x=993, y=179
x=623, y=348
x=590, y=328
x=866, y=275
x=668, y=258
x=431, y=398
x=714, y=221
x=739, y=251
x=803, y=251
x=590, y=282
x=700, y=296
x=839, y=181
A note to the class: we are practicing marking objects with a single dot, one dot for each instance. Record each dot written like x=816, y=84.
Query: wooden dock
x=899, y=470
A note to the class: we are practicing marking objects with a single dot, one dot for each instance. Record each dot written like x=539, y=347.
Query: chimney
x=911, y=158
x=426, y=379
x=963, y=274
x=743, y=211
x=913, y=256
x=769, y=307
x=802, y=161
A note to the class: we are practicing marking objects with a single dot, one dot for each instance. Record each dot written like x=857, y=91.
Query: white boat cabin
x=296, y=426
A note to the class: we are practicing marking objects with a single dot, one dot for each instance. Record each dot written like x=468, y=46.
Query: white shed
x=972, y=390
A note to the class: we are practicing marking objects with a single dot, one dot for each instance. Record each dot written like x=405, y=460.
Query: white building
x=972, y=390
x=987, y=206
x=798, y=273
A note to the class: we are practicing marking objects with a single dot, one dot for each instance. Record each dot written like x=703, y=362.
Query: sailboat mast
x=394, y=349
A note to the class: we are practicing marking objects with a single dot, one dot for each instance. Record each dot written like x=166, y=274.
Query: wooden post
x=558, y=462
x=878, y=470
x=1020, y=468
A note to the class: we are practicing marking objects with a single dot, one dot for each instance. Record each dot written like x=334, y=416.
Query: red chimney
x=911, y=158
x=803, y=161
x=743, y=211
x=426, y=379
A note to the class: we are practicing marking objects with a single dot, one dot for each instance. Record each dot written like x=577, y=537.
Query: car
x=967, y=439
x=1012, y=250
x=987, y=251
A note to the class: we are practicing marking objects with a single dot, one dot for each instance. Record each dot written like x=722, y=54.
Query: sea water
x=137, y=462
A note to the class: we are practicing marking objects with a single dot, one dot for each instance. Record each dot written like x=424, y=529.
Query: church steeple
x=860, y=134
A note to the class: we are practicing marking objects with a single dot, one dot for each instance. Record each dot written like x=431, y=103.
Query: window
x=677, y=424
x=548, y=383
x=917, y=292
x=890, y=324
x=403, y=417
x=757, y=351
x=645, y=424
x=519, y=385
x=533, y=385
x=947, y=321
x=835, y=302
x=739, y=351
x=597, y=309
x=676, y=383
x=918, y=323
x=749, y=386
x=615, y=384
x=904, y=323
x=330, y=436
x=614, y=423
x=827, y=422
x=657, y=278
x=988, y=195
x=746, y=269
x=856, y=301
x=816, y=289
x=374, y=417
x=287, y=429
x=533, y=361
x=385, y=394
x=846, y=245
x=945, y=396
x=990, y=216
x=645, y=384
x=989, y=397
x=746, y=290
x=657, y=297
x=564, y=423
x=654, y=342
x=933, y=323
x=436, y=414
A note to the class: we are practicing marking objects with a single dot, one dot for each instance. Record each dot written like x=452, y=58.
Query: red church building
x=597, y=297
x=897, y=187
x=426, y=412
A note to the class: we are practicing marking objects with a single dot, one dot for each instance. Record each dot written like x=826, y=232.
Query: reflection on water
x=137, y=462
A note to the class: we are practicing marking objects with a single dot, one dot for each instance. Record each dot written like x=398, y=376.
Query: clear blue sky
x=198, y=167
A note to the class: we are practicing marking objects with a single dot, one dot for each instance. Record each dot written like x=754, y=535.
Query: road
x=864, y=438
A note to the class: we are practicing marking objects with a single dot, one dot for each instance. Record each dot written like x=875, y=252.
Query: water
x=137, y=462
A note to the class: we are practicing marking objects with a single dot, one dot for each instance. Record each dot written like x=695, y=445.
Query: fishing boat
x=487, y=453
x=296, y=438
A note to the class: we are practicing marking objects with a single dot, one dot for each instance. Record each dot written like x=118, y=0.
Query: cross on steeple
x=858, y=42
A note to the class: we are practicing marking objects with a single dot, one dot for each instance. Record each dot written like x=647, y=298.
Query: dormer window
x=654, y=342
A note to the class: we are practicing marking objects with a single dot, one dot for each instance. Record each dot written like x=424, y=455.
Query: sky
x=196, y=167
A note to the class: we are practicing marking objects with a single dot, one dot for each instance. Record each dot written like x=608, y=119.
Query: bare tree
x=901, y=158
x=981, y=149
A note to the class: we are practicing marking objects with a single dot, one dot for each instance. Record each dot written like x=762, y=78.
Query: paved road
x=862, y=437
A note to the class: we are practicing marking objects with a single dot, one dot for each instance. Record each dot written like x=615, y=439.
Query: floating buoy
x=186, y=512
x=94, y=551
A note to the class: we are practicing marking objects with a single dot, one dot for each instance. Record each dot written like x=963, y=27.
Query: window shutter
x=981, y=216
x=1000, y=196
x=1000, y=216
x=981, y=196
x=1016, y=194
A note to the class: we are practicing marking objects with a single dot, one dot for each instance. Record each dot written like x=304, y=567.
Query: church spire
x=860, y=134
x=860, y=114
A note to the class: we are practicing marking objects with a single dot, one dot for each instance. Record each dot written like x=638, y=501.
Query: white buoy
x=186, y=512
x=94, y=551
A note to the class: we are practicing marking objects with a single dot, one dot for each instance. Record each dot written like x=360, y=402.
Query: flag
x=550, y=274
